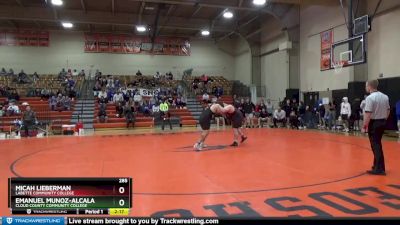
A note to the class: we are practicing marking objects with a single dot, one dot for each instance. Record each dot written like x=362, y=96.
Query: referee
x=376, y=112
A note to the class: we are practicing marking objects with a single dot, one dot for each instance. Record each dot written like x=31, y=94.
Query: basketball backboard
x=348, y=52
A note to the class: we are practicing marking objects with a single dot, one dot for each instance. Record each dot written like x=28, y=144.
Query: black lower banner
x=238, y=221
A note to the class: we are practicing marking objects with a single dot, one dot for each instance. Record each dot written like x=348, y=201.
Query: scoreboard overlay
x=95, y=196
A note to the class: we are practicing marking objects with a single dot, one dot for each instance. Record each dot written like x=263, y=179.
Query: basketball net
x=338, y=66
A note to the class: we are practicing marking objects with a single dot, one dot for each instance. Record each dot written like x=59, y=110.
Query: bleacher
x=41, y=107
x=53, y=118
x=215, y=81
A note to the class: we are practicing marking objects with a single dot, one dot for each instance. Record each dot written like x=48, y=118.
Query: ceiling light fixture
x=259, y=2
x=67, y=24
x=205, y=32
x=228, y=14
x=57, y=2
x=141, y=28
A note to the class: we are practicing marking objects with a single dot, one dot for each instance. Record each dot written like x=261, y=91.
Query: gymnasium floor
x=277, y=172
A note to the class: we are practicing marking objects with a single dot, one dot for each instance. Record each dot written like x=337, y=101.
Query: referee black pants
x=375, y=133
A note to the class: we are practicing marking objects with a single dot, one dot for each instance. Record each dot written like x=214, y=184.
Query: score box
x=69, y=193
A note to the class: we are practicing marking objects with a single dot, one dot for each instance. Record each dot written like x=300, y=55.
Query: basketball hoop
x=338, y=66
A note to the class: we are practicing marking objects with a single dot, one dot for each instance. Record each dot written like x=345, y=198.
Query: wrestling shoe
x=234, y=144
x=244, y=138
x=197, y=147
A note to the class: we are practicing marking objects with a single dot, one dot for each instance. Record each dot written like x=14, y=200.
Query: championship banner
x=326, y=42
x=128, y=44
x=24, y=38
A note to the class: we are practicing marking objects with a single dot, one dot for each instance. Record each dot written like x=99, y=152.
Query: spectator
x=75, y=73
x=110, y=82
x=28, y=120
x=35, y=77
x=129, y=115
x=12, y=109
x=119, y=110
x=103, y=100
x=279, y=117
x=321, y=115
x=293, y=120
x=67, y=103
x=137, y=98
x=53, y=103
x=206, y=97
x=156, y=110
x=97, y=73
x=3, y=72
x=249, y=108
x=103, y=94
x=22, y=78
x=345, y=112
x=332, y=108
x=157, y=76
x=60, y=103
x=328, y=118
x=219, y=91
x=10, y=72
x=102, y=114
x=356, y=114
x=165, y=114
x=62, y=74
x=263, y=117
x=270, y=108
x=13, y=95
x=287, y=107
x=82, y=73
x=2, y=110
x=118, y=97
x=138, y=73
x=44, y=94
x=301, y=112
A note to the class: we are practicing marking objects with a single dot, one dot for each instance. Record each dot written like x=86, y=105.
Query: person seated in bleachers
x=60, y=103
x=3, y=72
x=13, y=95
x=28, y=120
x=279, y=117
x=117, y=83
x=155, y=110
x=118, y=97
x=137, y=98
x=293, y=120
x=22, y=78
x=67, y=103
x=146, y=108
x=103, y=94
x=205, y=98
x=82, y=73
x=35, y=77
x=70, y=83
x=10, y=72
x=138, y=73
x=262, y=117
x=75, y=73
x=103, y=100
x=119, y=110
x=97, y=73
x=12, y=109
x=62, y=74
x=52, y=103
x=129, y=112
x=180, y=102
x=219, y=92
x=97, y=88
x=157, y=76
x=170, y=76
x=110, y=82
x=69, y=73
x=102, y=114
x=2, y=110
